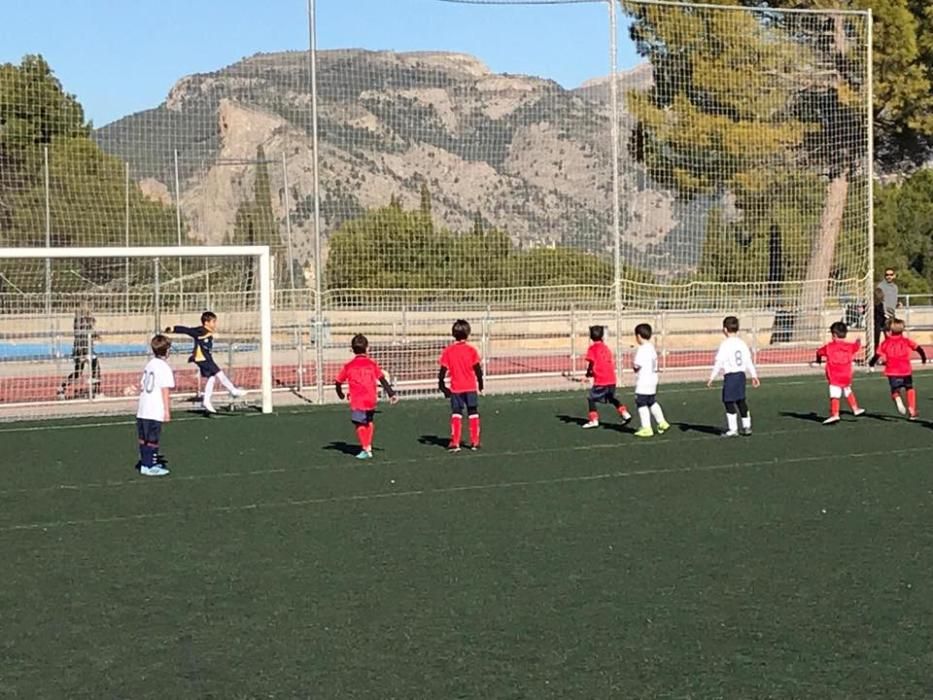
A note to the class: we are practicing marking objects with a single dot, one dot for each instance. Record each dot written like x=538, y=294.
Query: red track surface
x=418, y=367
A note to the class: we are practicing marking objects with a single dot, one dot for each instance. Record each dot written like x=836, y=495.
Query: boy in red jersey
x=601, y=367
x=838, y=354
x=461, y=360
x=895, y=351
x=361, y=374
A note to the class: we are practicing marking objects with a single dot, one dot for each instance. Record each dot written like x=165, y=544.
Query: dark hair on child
x=460, y=330
x=160, y=345
x=359, y=344
x=839, y=329
x=208, y=316
x=643, y=331
x=597, y=332
x=731, y=324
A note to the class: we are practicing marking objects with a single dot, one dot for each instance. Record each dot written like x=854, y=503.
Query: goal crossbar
x=260, y=252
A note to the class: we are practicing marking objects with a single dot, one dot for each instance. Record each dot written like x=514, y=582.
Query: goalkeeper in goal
x=202, y=355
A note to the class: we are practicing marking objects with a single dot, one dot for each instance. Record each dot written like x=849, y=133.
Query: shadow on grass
x=812, y=417
x=699, y=428
x=434, y=440
x=578, y=420
x=344, y=447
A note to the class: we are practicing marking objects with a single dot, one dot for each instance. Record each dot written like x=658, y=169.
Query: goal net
x=76, y=324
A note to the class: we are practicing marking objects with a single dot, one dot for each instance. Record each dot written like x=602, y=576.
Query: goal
x=75, y=324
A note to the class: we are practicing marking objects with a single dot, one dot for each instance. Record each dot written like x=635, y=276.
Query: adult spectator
x=888, y=287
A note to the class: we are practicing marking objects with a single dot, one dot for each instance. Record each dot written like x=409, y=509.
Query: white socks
x=657, y=413
x=644, y=415
x=732, y=420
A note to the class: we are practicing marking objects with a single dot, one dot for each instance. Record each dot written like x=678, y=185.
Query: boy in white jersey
x=734, y=359
x=645, y=365
x=154, y=407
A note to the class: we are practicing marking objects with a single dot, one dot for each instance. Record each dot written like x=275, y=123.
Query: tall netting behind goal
x=725, y=170
x=748, y=171
x=71, y=341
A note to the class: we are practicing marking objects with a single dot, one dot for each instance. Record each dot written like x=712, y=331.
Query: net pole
x=265, y=328
x=316, y=194
x=178, y=224
x=48, y=233
x=616, y=234
x=127, y=233
x=870, y=170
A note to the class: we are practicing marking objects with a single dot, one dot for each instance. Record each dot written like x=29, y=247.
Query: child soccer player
x=895, y=351
x=462, y=361
x=646, y=386
x=361, y=375
x=202, y=356
x=154, y=407
x=601, y=367
x=734, y=359
x=81, y=352
x=838, y=354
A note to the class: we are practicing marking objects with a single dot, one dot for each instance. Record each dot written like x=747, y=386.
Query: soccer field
x=554, y=563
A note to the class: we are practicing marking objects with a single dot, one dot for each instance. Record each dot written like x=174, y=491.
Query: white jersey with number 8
x=733, y=356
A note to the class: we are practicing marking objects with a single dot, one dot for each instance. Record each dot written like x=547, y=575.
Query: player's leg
x=745, y=415
x=210, y=375
x=852, y=401
x=658, y=413
x=643, y=404
x=362, y=425
x=228, y=385
x=732, y=419
x=619, y=406
x=75, y=373
x=835, y=393
x=472, y=404
x=457, y=404
x=150, y=434
x=911, y=397
x=896, y=384
x=597, y=394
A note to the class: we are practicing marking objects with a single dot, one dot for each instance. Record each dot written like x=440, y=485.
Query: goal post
x=38, y=283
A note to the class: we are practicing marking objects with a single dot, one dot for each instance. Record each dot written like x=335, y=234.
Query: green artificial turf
x=554, y=563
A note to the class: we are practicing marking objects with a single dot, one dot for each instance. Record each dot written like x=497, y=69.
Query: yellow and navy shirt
x=203, y=342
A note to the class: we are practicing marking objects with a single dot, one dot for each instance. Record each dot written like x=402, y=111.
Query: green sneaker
x=645, y=432
x=663, y=427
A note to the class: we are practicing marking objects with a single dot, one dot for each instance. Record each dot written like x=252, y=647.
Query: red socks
x=456, y=426
x=912, y=401
x=622, y=410
x=853, y=402
x=834, y=407
x=474, y=429
x=593, y=416
x=364, y=433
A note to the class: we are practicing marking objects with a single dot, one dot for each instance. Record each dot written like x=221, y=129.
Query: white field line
x=473, y=488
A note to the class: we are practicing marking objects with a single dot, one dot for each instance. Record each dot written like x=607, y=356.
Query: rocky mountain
x=521, y=152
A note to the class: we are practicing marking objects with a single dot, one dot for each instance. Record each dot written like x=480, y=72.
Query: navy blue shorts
x=645, y=400
x=898, y=383
x=208, y=368
x=733, y=387
x=604, y=394
x=362, y=417
x=466, y=400
x=149, y=431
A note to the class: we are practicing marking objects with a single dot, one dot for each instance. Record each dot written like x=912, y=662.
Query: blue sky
x=121, y=56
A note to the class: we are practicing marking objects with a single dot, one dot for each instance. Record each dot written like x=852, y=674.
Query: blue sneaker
x=364, y=454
